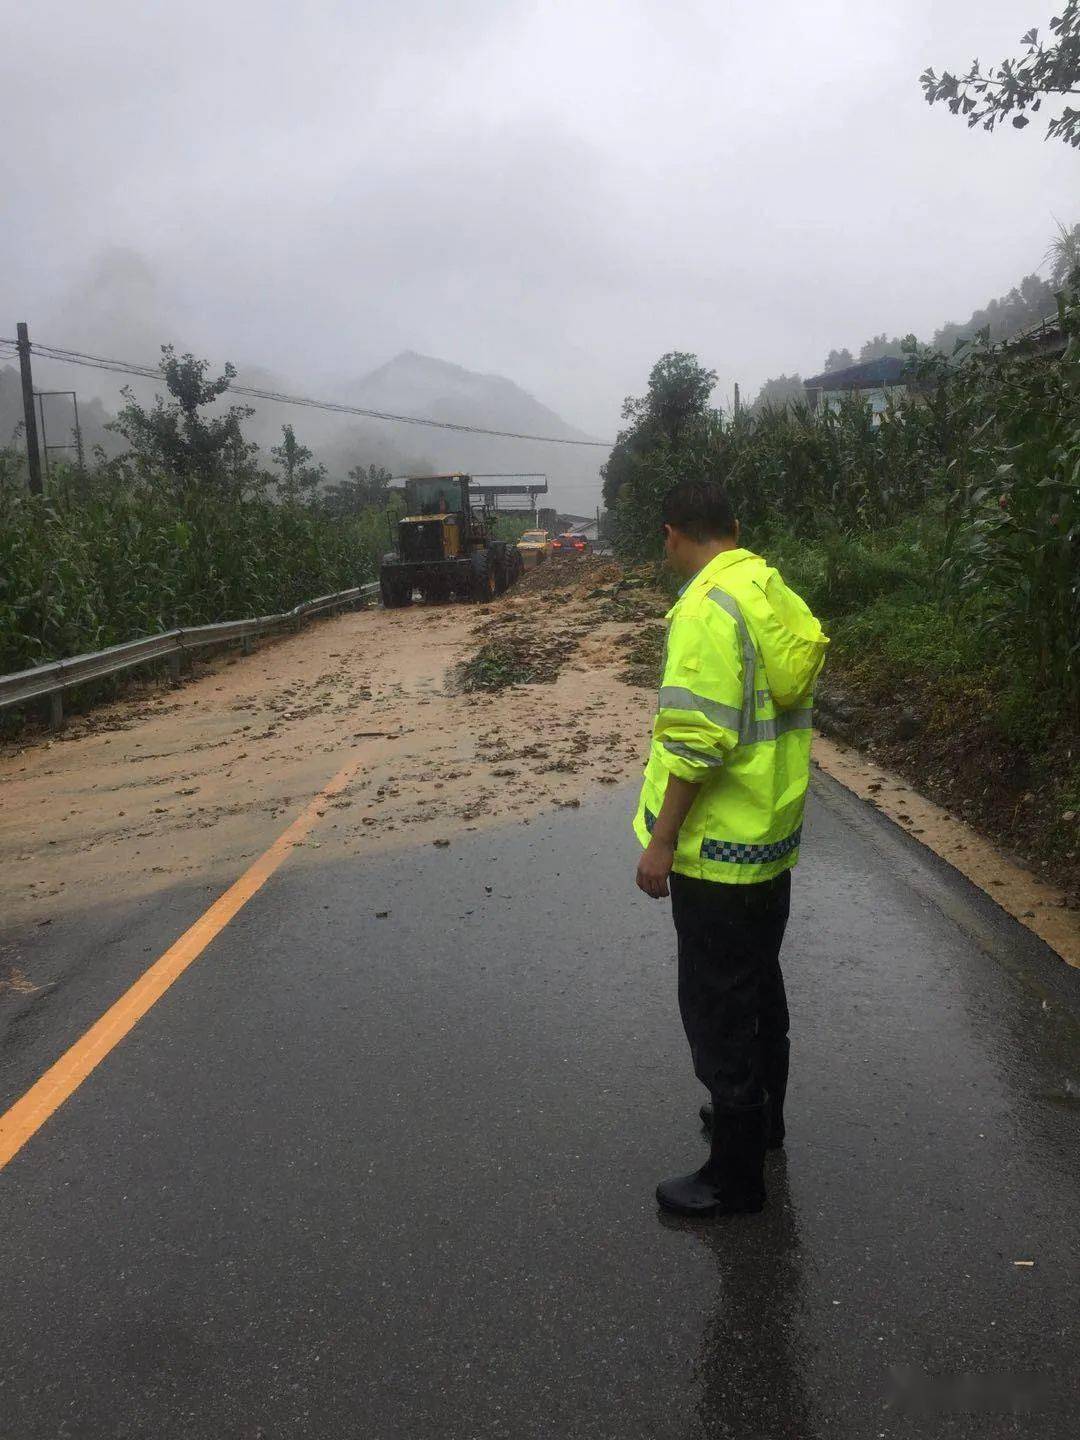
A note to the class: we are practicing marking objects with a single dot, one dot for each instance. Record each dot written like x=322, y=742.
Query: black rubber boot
x=731, y=1182
x=774, y=1121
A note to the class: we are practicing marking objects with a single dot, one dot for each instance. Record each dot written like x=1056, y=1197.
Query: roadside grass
x=989, y=738
x=937, y=694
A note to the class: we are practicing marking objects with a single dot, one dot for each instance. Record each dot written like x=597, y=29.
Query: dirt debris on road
x=188, y=785
x=515, y=650
x=194, y=782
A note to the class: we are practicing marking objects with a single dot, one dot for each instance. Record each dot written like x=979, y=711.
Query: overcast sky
x=558, y=192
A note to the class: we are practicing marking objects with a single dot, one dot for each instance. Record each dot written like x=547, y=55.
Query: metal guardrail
x=52, y=679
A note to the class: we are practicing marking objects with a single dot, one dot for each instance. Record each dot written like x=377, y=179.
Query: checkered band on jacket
x=737, y=853
x=740, y=854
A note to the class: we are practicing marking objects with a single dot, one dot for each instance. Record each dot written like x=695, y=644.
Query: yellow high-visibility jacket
x=743, y=652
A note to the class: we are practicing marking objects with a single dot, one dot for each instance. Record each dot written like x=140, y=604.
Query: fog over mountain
x=408, y=384
x=552, y=194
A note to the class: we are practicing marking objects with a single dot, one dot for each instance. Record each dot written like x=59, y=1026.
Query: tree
x=365, y=488
x=175, y=440
x=880, y=346
x=672, y=410
x=839, y=360
x=678, y=394
x=1063, y=255
x=1019, y=86
x=373, y=485
x=1032, y=300
x=780, y=391
x=298, y=476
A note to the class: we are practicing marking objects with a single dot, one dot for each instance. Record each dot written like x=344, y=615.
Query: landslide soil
x=198, y=780
x=945, y=744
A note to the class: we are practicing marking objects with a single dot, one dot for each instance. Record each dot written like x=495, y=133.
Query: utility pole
x=736, y=397
x=33, y=455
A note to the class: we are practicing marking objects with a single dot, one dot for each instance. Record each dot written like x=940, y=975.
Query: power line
x=152, y=372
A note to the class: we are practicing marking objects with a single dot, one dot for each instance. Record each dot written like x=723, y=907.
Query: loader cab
x=436, y=521
x=437, y=495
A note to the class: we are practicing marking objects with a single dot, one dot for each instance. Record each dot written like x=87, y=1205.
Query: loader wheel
x=483, y=576
x=395, y=594
x=501, y=566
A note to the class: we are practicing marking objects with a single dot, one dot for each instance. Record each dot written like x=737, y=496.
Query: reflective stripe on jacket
x=734, y=716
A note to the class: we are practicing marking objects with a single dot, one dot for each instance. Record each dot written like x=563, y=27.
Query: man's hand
x=659, y=856
x=654, y=867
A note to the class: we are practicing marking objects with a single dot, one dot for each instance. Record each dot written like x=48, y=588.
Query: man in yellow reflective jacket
x=720, y=820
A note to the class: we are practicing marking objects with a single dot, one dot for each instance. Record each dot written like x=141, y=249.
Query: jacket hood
x=788, y=634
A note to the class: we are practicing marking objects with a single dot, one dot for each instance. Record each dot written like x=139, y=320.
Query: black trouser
x=731, y=990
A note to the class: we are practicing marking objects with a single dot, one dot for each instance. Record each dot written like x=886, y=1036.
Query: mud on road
x=195, y=781
x=188, y=785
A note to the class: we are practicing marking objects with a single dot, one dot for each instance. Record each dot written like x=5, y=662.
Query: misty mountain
x=413, y=384
x=422, y=385
x=409, y=384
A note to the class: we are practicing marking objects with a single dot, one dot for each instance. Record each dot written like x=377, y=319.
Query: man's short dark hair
x=700, y=509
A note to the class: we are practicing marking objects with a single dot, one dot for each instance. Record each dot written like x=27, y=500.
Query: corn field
x=82, y=571
x=986, y=459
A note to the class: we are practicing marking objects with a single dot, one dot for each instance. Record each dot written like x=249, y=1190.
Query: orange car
x=534, y=547
x=569, y=544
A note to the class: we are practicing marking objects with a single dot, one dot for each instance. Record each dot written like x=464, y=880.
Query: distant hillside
x=421, y=385
x=410, y=384
x=413, y=384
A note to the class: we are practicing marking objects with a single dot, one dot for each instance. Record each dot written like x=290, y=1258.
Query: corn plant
x=986, y=458
x=83, y=569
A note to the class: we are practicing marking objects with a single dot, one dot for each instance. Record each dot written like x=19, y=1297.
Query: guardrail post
x=247, y=645
x=174, y=667
x=56, y=710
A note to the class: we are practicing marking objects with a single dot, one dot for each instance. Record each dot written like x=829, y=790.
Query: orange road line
x=26, y=1117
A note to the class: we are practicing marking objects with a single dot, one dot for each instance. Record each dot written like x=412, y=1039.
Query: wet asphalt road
x=393, y=1177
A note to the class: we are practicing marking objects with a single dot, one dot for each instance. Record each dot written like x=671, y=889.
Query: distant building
x=878, y=381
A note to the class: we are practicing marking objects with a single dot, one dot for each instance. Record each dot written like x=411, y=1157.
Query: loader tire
x=483, y=577
x=395, y=595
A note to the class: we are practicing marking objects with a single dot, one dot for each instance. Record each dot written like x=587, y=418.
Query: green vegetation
x=1024, y=306
x=121, y=560
x=1016, y=89
x=885, y=613
x=940, y=546
x=180, y=530
x=984, y=465
x=511, y=527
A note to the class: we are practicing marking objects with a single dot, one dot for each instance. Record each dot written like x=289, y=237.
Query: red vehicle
x=569, y=544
